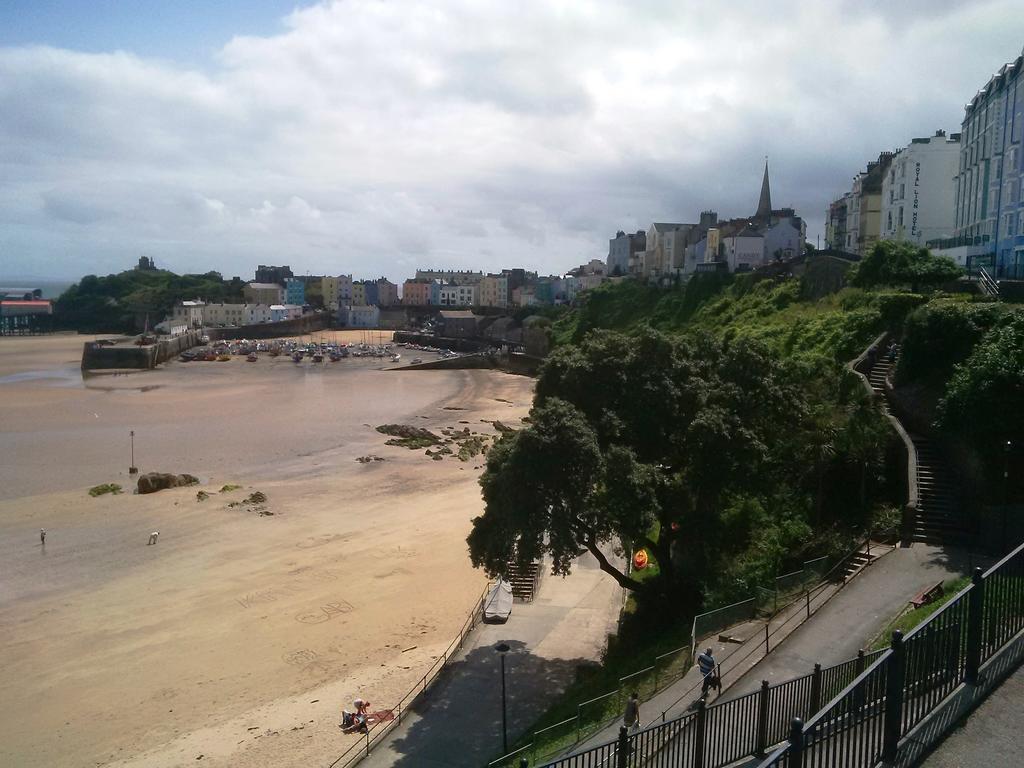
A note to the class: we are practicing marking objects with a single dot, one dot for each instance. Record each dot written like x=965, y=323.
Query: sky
x=373, y=137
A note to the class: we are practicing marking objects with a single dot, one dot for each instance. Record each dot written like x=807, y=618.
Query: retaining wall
x=294, y=327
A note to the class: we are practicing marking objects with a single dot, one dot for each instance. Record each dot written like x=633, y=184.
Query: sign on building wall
x=917, y=190
x=712, y=246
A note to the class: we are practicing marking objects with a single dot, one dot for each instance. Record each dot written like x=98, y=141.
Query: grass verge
x=911, y=619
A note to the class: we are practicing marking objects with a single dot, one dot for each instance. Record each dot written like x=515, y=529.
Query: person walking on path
x=631, y=717
x=707, y=664
x=42, y=536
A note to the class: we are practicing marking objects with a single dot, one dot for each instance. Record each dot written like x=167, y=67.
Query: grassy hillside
x=836, y=327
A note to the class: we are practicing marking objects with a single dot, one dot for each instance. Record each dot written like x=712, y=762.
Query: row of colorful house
x=959, y=195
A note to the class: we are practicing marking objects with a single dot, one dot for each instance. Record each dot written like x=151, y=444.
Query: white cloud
x=373, y=136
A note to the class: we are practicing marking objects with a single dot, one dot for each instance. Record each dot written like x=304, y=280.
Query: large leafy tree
x=901, y=263
x=984, y=398
x=639, y=441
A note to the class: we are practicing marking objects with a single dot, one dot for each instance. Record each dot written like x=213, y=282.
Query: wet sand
x=238, y=636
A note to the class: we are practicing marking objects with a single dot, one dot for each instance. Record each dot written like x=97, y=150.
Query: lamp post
x=132, y=469
x=502, y=649
x=1006, y=488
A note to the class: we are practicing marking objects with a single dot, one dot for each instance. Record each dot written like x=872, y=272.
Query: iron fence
x=905, y=683
x=720, y=734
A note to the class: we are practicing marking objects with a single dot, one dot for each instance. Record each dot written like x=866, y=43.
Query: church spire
x=764, y=205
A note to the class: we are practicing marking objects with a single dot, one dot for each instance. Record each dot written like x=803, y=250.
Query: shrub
x=100, y=490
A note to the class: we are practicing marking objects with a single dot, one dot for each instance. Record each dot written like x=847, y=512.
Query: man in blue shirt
x=707, y=665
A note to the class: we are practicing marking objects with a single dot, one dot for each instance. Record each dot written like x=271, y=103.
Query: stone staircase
x=937, y=518
x=524, y=580
x=858, y=560
x=879, y=373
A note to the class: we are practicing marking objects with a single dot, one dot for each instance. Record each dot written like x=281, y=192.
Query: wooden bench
x=926, y=596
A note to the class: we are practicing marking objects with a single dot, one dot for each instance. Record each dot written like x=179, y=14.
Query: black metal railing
x=728, y=731
x=907, y=682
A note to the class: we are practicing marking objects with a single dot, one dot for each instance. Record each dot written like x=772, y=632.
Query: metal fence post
x=766, y=649
x=893, y=699
x=796, y=744
x=858, y=694
x=622, y=753
x=808, y=603
x=523, y=763
x=699, y=734
x=815, y=690
x=975, y=614
x=762, y=721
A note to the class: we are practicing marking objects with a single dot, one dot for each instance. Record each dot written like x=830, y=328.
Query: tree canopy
x=984, y=398
x=643, y=441
x=902, y=263
x=121, y=302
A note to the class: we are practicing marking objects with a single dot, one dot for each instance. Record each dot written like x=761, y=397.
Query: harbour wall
x=516, y=362
x=125, y=354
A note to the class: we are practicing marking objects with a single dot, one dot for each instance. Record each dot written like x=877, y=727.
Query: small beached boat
x=498, y=603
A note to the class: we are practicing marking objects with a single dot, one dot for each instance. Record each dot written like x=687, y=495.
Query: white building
x=236, y=314
x=744, y=250
x=918, y=192
x=458, y=295
x=362, y=316
x=279, y=312
x=188, y=313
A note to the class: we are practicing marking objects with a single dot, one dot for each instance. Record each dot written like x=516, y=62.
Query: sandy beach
x=240, y=635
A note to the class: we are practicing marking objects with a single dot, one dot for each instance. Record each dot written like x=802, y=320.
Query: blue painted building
x=294, y=291
x=372, y=294
x=989, y=205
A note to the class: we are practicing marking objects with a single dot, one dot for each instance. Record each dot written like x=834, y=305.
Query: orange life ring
x=640, y=559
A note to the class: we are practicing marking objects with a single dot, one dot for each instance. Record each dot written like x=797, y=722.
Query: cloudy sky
x=375, y=136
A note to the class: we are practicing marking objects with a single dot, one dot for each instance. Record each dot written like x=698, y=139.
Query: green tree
x=636, y=441
x=984, y=398
x=902, y=263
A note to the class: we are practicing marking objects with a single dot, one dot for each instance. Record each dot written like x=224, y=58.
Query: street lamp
x=503, y=648
x=132, y=469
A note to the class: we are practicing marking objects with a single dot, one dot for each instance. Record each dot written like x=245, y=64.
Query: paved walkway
x=991, y=734
x=858, y=614
x=842, y=621
x=735, y=659
x=458, y=724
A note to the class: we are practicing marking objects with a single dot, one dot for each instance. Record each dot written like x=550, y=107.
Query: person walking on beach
x=42, y=536
x=707, y=664
x=631, y=717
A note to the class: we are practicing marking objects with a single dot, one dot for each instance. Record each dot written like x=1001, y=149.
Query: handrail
x=981, y=610
x=990, y=286
x=361, y=748
x=912, y=491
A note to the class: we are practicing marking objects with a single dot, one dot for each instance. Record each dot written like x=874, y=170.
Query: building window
x=888, y=226
x=900, y=217
x=903, y=191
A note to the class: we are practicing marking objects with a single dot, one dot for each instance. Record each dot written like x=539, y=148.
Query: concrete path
x=735, y=659
x=991, y=734
x=842, y=621
x=458, y=724
x=857, y=615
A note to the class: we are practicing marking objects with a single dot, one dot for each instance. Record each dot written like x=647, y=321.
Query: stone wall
x=125, y=354
x=294, y=327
